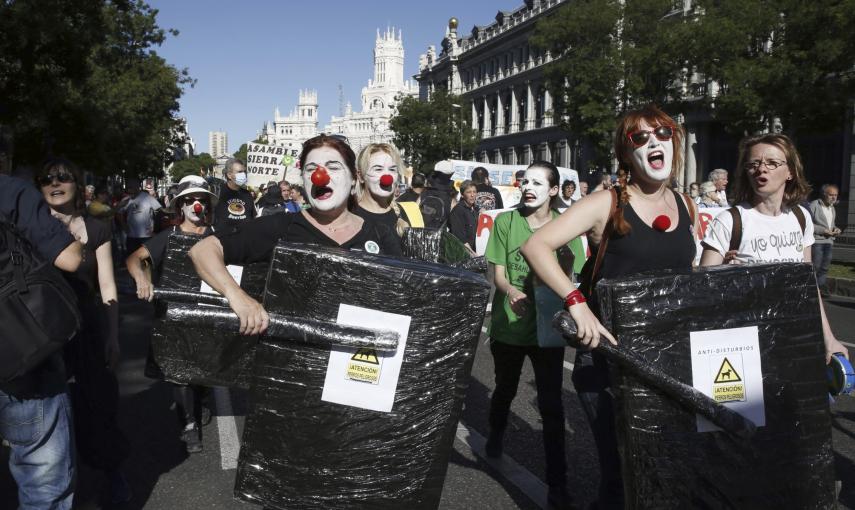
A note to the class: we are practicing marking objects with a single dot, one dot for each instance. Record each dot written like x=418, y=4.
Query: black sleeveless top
x=645, y=249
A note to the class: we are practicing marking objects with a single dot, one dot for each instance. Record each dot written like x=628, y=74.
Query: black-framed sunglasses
x=641, y=137
x=62, y=177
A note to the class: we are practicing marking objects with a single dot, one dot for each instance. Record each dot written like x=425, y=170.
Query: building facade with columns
x=297, y=127
x=379, y=98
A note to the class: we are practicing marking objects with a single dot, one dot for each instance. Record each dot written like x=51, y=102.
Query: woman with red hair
x=639, y=225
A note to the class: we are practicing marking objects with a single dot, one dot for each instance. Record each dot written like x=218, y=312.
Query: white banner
x=503, y=176
x=265, y=163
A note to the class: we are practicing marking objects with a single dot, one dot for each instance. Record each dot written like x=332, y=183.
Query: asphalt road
x=164, y=477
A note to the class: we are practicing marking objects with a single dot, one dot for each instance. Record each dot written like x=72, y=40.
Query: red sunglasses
x=641, y=137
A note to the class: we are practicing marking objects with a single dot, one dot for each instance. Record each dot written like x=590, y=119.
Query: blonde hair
x=365, y=157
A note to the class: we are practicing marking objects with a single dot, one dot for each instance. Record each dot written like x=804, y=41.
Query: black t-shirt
x=85, y=279
x=233, y=206
x=253, y=241
x=387, y=220
x=156, y=247
x=487, y=198
x=408, y=196
x=463, y=223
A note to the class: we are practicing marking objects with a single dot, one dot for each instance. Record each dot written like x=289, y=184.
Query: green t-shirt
x=510, y=231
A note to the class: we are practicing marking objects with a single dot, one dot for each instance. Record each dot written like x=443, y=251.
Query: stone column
x=529, y=107
x=690, y=168
x=547, y=107
x=515, y=113
x=487, y=120
x=500, y=115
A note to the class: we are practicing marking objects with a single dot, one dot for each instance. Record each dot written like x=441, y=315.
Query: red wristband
x=574, y=298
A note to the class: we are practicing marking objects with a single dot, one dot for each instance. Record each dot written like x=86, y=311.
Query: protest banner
x=502, y=176
x=265, y=163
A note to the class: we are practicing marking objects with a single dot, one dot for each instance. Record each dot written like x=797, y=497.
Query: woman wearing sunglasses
x=774, y=228
x=93, y=354
x=194, y=203
x=639, y=225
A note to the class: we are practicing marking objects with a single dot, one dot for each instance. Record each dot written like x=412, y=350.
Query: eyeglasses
x=769, y=164
x=63, y=177
x=641, y=137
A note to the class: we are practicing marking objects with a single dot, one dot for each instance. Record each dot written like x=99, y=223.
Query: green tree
x=433, y=130
x=610, y=56
x=195, y=165
x=81, y=79
x=777, y=61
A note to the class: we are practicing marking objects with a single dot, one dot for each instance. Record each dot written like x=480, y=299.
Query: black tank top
x=645, y=249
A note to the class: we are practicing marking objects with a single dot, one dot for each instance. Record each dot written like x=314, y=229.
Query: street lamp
x=459, y=128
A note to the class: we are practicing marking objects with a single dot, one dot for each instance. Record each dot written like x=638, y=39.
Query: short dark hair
x=418, y=181
x=566, y=183
x=480, y=175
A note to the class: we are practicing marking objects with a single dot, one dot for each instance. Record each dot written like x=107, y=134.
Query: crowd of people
x=634, y=221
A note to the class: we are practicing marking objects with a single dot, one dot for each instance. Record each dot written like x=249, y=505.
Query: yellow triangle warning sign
x=726, y=373
x=366, y=356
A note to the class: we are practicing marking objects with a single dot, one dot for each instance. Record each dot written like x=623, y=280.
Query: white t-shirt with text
x=764, y=238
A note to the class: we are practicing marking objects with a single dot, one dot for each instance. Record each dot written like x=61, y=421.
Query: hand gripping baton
x=184, y=309
x=686, y=395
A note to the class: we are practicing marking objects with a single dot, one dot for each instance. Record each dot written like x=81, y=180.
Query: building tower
x=388, y=68
x=307, y=107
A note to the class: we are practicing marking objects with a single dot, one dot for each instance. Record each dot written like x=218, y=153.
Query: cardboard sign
x=265, y=163
x=484, y=228
x=726, y=367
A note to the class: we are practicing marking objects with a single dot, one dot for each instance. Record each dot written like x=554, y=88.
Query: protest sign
x=265, y=163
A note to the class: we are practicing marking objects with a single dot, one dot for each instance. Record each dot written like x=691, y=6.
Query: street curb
x=843, y=287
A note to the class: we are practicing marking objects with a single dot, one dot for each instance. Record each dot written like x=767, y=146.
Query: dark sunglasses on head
x=641, y=137
x=63, y=177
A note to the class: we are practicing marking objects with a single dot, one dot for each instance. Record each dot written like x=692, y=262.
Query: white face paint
x=334, y=194
x=653, y=160
x=535, y=188
x=189, y=210
x=380, y=164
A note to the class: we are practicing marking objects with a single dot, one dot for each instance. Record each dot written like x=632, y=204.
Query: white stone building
x=300, y=124
x=379, y=98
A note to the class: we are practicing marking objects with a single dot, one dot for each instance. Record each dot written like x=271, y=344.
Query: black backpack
x=38, y=308
x=435, y=205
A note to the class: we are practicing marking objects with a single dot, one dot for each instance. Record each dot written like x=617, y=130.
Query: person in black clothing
x=417, y=185
x=378, y=171
x=463, y=220
x=235, y=203
x=487, y=197
x=329, y=175
x=651, y=229
x=193, y=204
x=93, y=354
x=35, y=412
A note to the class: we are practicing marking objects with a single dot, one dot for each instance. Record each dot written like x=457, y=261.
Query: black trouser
x=591, y=380
x=548, y=365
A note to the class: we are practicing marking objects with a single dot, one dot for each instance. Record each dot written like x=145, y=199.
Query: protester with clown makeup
x=378, y=172
x=329, y=175
x=513, y=327
x=640, y=225
x=194, y=203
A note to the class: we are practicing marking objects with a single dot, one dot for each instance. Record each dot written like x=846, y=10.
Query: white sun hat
x=194, y=184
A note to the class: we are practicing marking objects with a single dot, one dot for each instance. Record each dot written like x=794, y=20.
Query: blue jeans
x=42, y=459
x=821, y=258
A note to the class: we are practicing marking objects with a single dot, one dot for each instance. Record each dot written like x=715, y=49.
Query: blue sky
x=249, y=57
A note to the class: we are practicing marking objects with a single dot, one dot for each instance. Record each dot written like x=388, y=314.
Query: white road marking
x=529, y=484
x=847, y=344
x=568, y=365
x=227, y=428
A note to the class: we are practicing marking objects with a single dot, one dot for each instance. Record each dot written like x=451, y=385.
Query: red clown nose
x=662, y=223
x=320, y=177
x=197, y=208
x=386, y=180
x=516, y=184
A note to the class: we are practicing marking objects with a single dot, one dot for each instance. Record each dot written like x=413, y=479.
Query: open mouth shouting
x=322, y=192
x=529, y=197
x=656, y=159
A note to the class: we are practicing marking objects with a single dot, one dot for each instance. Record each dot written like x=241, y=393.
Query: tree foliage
x=433, y=130
x=81, y=79
x=782, y=64
x=773, y=60
x=611, y=56
x=200, y=164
